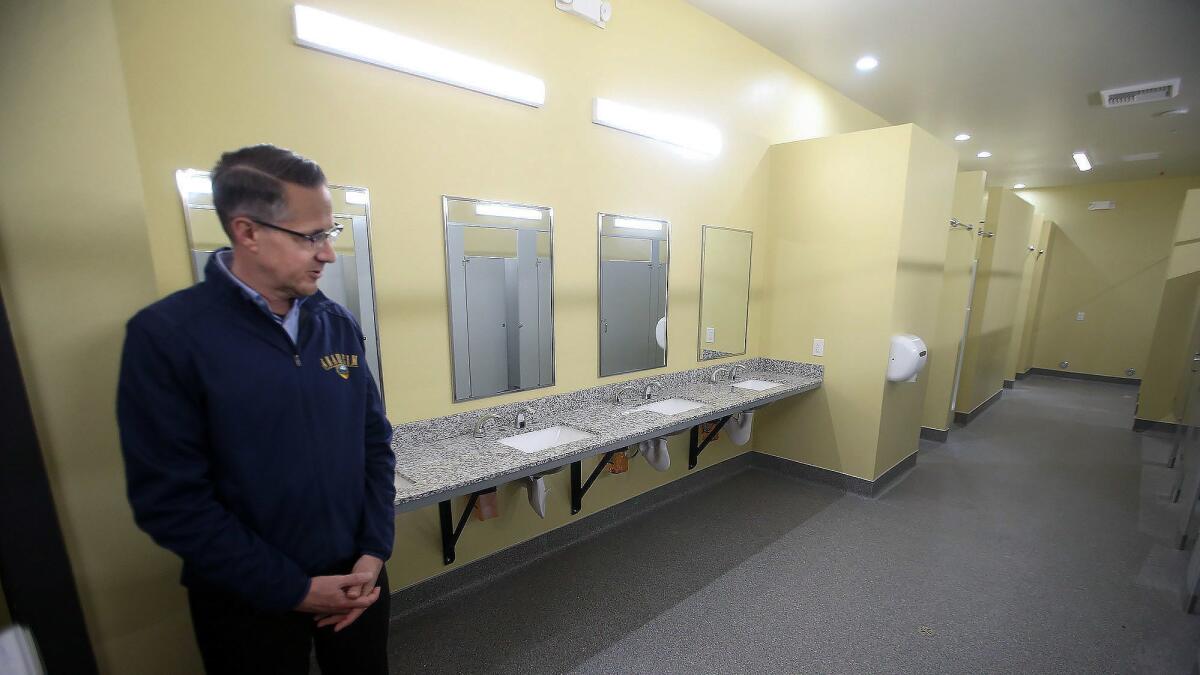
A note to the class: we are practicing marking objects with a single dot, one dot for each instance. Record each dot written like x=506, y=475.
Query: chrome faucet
x=622, y=390
x=492, y=417
x=652, y=385
x=716, y=374
x=733, y=372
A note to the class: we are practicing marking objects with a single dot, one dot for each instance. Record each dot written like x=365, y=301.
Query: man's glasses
x=316, y=239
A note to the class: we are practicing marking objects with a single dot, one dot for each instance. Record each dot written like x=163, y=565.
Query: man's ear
x=243, y=234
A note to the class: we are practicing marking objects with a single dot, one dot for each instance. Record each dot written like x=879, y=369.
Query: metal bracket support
x=577, y=490
x=450, y=533
x=695, y=447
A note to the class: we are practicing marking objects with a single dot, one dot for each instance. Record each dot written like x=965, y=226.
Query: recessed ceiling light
x=1141, y=157
x=963, y=137
x=1082, y=161
x=1019, y=186
x=984, y=155
x=867, y=63
x=1171, y=112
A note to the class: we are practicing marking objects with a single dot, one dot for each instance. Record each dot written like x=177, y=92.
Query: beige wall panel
x=968, y=207
x=916, y=304
x=1109, y=264
x=196, y=79
x=997, y=287
x=837, y=206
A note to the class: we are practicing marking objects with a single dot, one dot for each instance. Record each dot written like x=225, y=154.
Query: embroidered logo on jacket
x=340, y=363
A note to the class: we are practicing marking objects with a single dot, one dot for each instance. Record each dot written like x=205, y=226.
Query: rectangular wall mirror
x=724, y=291
x=500, y=281
x=634, y=254
x=349, y=280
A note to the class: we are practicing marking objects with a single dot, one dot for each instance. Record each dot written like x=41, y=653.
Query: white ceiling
x=1021, y=76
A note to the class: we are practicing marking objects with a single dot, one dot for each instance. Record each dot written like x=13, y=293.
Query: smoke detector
x=1147, y=92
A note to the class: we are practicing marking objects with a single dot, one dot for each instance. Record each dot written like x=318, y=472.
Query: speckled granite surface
x=710, y=354
x=440, y=458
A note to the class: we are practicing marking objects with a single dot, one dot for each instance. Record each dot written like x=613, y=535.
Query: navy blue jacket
x=259, y=462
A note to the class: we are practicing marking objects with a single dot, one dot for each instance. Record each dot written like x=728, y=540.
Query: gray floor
x=1037, y=539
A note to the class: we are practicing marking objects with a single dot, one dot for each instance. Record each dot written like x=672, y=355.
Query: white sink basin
x=670, y=406
x=757, y=385
x=536, y=441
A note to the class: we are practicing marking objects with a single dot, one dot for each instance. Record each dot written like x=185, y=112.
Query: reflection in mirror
x=348, y=280
x=634, y=253
x=724, y=291
x=499, y=277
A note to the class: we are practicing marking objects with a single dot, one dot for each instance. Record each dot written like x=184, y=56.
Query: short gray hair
x=250, y=181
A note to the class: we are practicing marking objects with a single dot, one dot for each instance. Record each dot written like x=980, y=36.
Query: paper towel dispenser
x=908, y=358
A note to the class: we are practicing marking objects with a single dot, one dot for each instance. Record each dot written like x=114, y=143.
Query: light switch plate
x=818, y=346
x=1079, y=316
x=710, y=335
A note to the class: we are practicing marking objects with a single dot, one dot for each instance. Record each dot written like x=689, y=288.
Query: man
x=255, y=444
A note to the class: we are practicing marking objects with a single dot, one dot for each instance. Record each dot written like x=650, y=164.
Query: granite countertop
x=440, y=458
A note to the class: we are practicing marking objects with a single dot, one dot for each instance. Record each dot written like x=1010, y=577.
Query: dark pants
x=234, y=638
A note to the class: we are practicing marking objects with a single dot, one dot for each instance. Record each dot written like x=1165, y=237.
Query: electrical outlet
x=1079, y=316
x=710, y=335
x=818, y=346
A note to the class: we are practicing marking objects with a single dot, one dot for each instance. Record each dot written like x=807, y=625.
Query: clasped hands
x=339, y=600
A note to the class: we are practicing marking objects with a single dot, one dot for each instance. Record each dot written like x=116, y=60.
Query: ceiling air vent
x=1148, y=92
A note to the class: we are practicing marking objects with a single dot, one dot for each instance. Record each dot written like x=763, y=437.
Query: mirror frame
x=600, y=215
x=749, y=285
x=187, y=226
x=450, y=311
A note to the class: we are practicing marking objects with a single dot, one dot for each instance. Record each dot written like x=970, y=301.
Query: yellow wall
x=1169, y=357
x=74, y=266
x=1185, y=255
x=1025, y=295
x=206, y=77
x=1037, y=293
x=726, y=270
x=920, y=275
x=969, y=206
x=1157, y=398
x=994, y=304
x=1111, y=265
x=859, y=227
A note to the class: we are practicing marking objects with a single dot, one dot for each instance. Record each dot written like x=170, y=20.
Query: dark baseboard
x=1021, y=376
x=471, y=575
x=1136, y=381
x=931, y=434
x=1147, y=425
x=963, y=419
x=477, y=572
x=1009, y=384
x=840, y=481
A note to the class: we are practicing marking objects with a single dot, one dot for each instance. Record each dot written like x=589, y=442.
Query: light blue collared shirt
x=290, y=321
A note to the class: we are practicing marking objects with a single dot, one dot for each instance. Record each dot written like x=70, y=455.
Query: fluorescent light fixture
x=192, y=182
x=502, y=211
x=1019, y=186
x=638, y=224
x=1082, y=161
x=867, y=63
x=337, y=35
x=689, y=134
x=984, y=155
x=356, y=197
x=963, y=137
